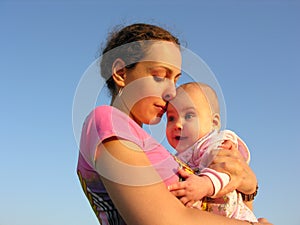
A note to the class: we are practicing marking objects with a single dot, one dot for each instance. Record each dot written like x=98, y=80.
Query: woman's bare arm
x=148, y=204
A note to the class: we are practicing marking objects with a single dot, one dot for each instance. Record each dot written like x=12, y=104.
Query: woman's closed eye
x=158, y=78
x=159, y=73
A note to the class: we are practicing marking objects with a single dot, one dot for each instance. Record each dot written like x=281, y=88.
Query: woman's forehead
x=164, y=52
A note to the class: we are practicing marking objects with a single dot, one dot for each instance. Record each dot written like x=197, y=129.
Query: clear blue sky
x=253, y=48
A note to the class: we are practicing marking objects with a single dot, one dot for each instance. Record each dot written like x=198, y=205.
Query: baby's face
x=188, y=118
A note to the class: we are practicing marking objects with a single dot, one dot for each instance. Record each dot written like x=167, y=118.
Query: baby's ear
x=119, y=72
x=216, y=121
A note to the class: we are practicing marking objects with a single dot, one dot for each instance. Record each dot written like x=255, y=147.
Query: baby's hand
x=193, y=189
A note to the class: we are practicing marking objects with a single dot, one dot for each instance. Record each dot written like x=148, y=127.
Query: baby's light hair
x=209, y=93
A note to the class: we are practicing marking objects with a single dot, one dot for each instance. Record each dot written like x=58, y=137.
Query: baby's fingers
x=177, y=186
x=184, y=174
x=179, y=193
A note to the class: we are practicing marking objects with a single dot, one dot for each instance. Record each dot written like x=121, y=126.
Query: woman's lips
x=163, y=109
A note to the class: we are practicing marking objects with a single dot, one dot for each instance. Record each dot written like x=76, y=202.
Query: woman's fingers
x=227, y=144
x=233, y=153
x=264, y=221
x=231, y=162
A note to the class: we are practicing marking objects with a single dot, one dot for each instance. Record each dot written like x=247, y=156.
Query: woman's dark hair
x=130, y=53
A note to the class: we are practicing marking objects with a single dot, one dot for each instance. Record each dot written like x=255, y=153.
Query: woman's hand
x=264, y=221
x=230, y=161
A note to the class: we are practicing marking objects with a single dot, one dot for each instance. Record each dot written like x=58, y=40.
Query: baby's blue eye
x=189, y=116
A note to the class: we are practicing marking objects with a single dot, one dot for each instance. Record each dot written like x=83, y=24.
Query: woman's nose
x=170, y=91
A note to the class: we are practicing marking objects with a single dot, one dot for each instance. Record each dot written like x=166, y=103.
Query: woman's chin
x=155, y=120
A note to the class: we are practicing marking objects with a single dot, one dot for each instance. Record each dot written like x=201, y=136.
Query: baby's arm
x=192, y=189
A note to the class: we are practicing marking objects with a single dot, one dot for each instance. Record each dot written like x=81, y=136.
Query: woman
x=124, y=172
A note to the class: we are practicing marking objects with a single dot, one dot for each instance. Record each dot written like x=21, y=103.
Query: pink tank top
x=105, y=122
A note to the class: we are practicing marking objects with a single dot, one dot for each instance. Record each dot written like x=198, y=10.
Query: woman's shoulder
x=106, y=111
x=103, y=113
x=99, y=116
x=102, y=110
x=107, y=121
x=106, y=114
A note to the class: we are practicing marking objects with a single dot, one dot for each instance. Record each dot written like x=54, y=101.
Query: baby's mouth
x=180, y=138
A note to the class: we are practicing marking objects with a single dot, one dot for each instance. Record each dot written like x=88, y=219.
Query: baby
x=193, y=129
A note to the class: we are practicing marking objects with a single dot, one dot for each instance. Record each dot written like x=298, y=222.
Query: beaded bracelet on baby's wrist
x=249, y=197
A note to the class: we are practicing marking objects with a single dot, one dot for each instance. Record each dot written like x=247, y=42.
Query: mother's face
x=151, y=83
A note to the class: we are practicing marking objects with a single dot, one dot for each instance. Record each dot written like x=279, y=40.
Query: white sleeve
x=219, y=180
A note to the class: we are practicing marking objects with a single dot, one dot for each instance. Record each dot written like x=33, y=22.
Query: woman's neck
x=119, y=103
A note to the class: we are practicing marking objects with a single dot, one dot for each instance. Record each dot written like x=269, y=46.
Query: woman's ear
x=119, y=72
x=216, y=121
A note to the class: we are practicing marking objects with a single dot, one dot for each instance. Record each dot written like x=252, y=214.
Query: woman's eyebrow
x=159, y=67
